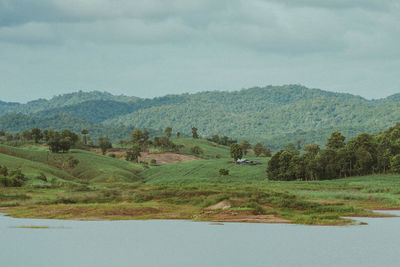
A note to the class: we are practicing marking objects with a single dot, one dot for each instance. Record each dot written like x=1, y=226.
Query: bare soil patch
x=167, y=157
x=161, y=158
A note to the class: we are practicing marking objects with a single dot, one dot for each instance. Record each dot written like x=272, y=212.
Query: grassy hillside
x=91, y=167
x=210, y=149
x=206, y=171
x=101, y=187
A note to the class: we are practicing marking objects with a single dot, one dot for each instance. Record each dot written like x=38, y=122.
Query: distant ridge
x=274, y=115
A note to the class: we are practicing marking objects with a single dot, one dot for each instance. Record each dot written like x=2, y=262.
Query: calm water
x=184, y=243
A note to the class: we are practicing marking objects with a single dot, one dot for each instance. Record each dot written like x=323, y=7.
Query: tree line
x=363, y=155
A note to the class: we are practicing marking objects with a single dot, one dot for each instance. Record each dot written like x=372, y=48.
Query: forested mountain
x=274, y=115
x=61, y=101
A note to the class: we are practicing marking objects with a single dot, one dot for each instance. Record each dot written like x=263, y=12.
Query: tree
x=336, y=141
x=65, y=144
x=3, y=170
x=194, y=133
x=395, y=164
x=54, y=142
x=291, y=148
x=140, y=138
x=84, y=132
x=133, y=154
x=215, y=138
x=267, y=152
x=163, y=142
x=282, y=166
x=168, y=132
x=258, y=149
x=27, y=135
x=365, y=161
x=122, y=143
x=312, y=150
x=236, y=152
x=36, y=135
x=197, y=150
x=104, y=144
x=9, y=137
x=74, y=138
x=245, y=145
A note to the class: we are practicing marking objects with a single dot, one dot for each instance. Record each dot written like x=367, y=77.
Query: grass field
x=210, y=149
x=101, y=187
x=91, y=166
x=206, y=171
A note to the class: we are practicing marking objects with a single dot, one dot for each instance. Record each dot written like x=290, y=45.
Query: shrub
x=197, y=150
x=153, y=161
x=112, y=155
x=223, y=172
x=3, y=170
x=42, y=177
x=72, y=162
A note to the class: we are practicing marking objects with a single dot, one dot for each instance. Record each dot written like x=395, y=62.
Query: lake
x=186, y=243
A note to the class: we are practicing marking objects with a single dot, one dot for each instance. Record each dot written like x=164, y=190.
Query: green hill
x=274, y=115
x=210, y=149
x=90, y=168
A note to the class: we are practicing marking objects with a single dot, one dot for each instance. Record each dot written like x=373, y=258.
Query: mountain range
x=273, y=115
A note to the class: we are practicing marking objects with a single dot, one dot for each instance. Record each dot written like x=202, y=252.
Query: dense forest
x=272, y=115
x=363, y=155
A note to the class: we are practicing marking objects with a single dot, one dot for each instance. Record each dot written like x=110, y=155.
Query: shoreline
x=259, y=219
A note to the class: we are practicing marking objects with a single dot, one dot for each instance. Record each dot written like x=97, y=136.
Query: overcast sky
x=157, y=47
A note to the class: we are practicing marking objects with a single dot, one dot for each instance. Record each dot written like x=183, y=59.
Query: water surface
x=185, y=243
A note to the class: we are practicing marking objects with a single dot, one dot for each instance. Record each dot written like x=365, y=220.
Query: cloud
x=14, y=12
x=341, y=4
x=224, y=42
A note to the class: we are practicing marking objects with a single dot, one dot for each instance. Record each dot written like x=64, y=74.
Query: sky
x=158, y=47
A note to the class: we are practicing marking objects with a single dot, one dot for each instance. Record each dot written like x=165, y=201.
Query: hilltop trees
x=133, y=154
x=194, y=133
x=140, y=138
x=104, y=144
x=260, y=150
x=59, y=143
x=27, y=135
x=36, y=135
x=168, y=132
x=245, y=146
x=236, y=152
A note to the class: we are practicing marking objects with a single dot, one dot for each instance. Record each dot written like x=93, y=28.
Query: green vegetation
x=363, y=155
x=272, y=115
x=36, y=181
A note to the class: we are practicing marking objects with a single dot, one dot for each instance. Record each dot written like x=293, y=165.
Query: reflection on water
x=185, y=243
